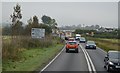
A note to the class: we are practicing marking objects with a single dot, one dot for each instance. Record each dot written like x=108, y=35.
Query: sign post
x=37, y=33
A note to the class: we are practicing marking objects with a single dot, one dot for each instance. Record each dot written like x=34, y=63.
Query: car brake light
x=76, y=45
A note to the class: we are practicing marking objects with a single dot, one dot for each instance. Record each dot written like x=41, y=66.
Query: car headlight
x=111, y=63
x=87, y=45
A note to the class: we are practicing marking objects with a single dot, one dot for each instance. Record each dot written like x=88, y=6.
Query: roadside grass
x=106, y=44
x=11, y=47
x=32, y=59
x=112, y=40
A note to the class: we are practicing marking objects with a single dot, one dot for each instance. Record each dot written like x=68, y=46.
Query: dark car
x=72, y=46
x=112, y=61
x=90, y=45
x=82, y=40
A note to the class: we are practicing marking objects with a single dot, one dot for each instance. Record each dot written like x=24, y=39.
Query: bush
x=33, y=43
x=13, y=48
x=10, y=50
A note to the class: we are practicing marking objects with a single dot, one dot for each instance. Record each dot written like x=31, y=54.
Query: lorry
x=68, y=34
x=77, y=36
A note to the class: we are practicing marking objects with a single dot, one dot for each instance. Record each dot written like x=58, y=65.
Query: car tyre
x=108, y=68
x=67, y=50
x=104, y=66
x=95, y=48
x=76, y=50
x=86, y=48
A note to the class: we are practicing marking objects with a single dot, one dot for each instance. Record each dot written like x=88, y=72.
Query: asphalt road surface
x=97, y=56
x=88, y=60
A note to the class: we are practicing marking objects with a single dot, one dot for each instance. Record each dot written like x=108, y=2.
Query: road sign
x=37, y=33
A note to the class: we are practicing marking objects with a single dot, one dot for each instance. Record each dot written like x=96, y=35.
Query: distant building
x=109, y=29
x=105, y=29
x=101, y=29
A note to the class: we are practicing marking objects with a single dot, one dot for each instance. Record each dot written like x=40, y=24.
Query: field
x=106, y=44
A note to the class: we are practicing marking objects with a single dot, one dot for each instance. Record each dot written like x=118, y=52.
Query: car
x=71, y=39
x=77, y=37
x=112, y=61
x=90, y=45
x=72, y=46
x=82, y=40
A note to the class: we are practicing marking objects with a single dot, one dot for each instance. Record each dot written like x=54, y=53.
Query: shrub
x=10, y=50
x=13, y=48
x=33, y=43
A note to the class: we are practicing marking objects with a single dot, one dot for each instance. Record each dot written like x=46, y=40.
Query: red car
x=72, y=46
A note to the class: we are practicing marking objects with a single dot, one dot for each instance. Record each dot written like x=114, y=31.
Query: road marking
x=87, y=60
x=91, y=66
x=102, y=50
x=53, y=60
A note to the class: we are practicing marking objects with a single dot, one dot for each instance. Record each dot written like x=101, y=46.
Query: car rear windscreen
x=90, y=42
x=72, y=43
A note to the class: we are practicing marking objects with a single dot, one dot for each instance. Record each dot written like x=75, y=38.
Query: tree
x=48, y=30
x=15, y=18
x=46, y=19
x=32, y=23
x=50, y=22
x=18, y=28
x=6, y=30
x=35, y=22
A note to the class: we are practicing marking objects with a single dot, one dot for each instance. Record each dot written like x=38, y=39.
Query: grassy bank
x=32, y=59
x=106, y=44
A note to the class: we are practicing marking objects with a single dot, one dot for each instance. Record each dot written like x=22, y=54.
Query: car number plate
x=117, y=66
x=71, y=49
x=91, y=46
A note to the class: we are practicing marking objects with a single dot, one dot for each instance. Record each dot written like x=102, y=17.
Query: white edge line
x=102, y=50
x=86, y=59
x=52, y=60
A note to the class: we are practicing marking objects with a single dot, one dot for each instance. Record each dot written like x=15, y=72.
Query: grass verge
x=32, y=59
x=106, y=44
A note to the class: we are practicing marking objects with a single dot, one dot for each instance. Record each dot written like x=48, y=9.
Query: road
x=97, y=57
x=79, y=61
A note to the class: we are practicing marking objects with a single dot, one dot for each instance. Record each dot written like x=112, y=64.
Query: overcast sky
x=67, y=13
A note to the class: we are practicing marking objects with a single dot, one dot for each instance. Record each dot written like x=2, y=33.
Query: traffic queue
x=111, y=60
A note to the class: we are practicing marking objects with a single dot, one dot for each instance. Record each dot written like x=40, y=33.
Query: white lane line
x=89, y=68
x=93, y=67
x=53, y=59
x=88, y=57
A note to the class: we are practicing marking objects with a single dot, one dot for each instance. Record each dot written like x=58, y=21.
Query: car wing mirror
x=106, y=57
